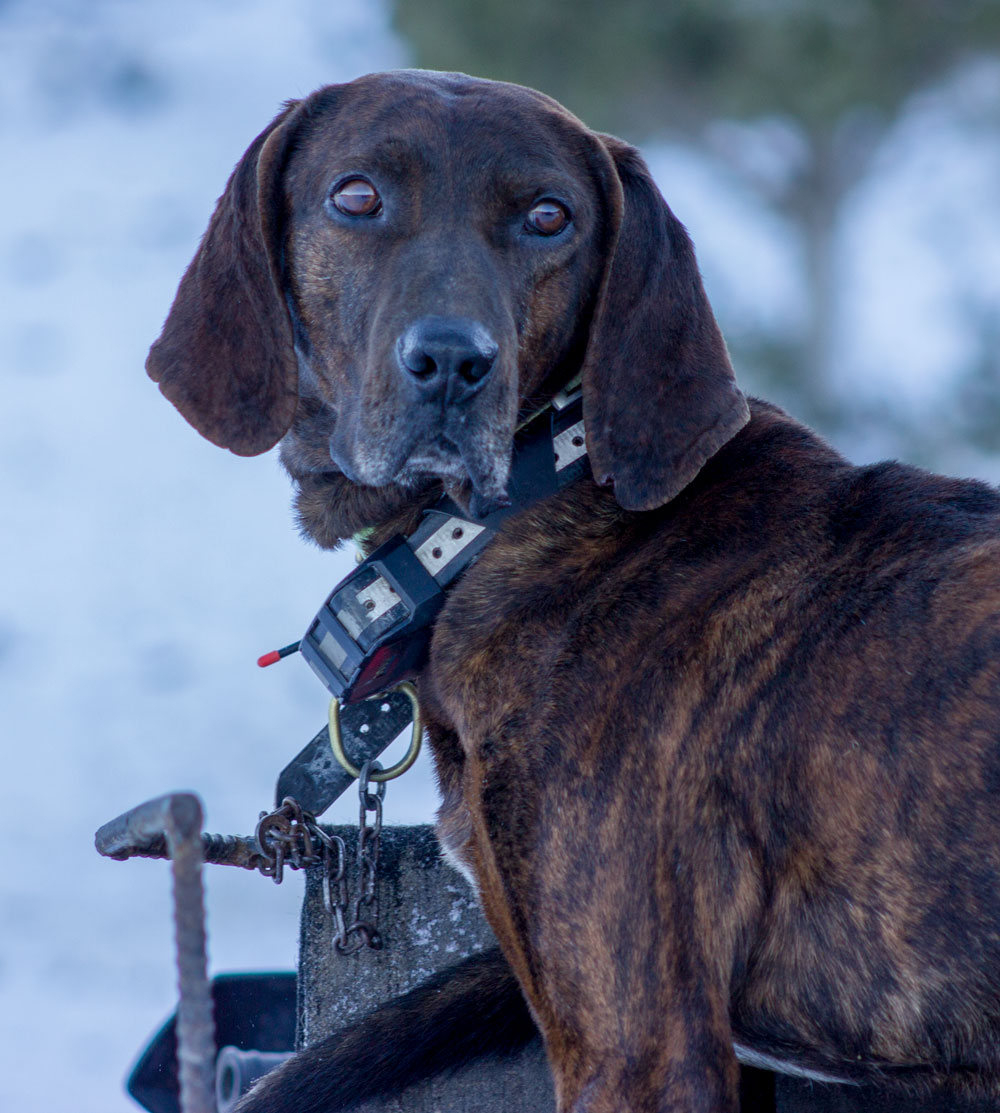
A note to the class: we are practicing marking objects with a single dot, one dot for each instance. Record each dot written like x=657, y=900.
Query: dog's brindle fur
x=717, y=735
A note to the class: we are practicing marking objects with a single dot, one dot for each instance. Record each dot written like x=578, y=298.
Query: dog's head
x=402, y=264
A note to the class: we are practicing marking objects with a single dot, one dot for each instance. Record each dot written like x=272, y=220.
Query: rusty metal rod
x=177, y=818
x=119, y=843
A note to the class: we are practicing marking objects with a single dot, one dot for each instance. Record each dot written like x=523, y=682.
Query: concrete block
x=429, y=919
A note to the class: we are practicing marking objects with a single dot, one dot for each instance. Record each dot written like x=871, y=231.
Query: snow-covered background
x=142, y=570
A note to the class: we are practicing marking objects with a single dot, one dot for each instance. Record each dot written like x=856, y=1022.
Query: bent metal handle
x=178, y=818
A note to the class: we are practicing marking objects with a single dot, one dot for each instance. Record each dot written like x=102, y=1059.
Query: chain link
x=365, y=931
x=291, y=837
x=287, y=836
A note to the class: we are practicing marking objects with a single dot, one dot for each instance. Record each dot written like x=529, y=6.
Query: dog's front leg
x=682, y=1062
x=674, y=1068
x=627, y=983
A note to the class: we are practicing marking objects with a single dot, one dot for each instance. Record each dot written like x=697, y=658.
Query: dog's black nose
x=449, y=357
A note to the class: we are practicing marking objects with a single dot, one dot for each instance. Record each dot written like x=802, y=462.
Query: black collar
x=374, y=628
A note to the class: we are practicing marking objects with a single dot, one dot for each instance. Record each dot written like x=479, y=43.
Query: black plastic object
x=252, y=1011
x=392, y=649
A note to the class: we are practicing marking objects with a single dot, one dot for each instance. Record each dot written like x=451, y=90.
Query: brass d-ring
x=394, y=771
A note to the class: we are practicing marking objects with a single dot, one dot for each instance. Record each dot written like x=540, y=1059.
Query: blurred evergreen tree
x=835, y=76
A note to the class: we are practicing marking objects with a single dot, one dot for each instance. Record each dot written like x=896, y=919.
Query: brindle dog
x=717, y=730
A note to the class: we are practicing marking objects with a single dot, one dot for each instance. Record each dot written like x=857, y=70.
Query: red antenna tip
x=277, y=654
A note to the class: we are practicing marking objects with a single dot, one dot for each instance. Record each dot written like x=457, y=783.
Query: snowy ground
x=143, y=570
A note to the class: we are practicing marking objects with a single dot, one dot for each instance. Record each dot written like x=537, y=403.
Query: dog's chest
x=547, y=627
x=494, y=657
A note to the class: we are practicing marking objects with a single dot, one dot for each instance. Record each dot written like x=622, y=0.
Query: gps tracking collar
x=374, y=628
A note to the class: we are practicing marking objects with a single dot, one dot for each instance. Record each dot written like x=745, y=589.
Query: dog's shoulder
x=891, y=499
x=777, y=461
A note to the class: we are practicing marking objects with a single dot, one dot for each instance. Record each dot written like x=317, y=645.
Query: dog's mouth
x=473, y=466
x=475, y=479
x=439, y=458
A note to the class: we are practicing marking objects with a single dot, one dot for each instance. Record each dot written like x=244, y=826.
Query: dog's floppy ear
x=659, y=396
x=225, y=357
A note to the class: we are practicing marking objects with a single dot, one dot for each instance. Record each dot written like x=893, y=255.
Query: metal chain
x=335, y=885
x=291, y=837
x=369, y=840
x=288, y=836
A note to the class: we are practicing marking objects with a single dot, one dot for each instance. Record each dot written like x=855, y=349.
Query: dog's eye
x=356, y=197
x=547, y=218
